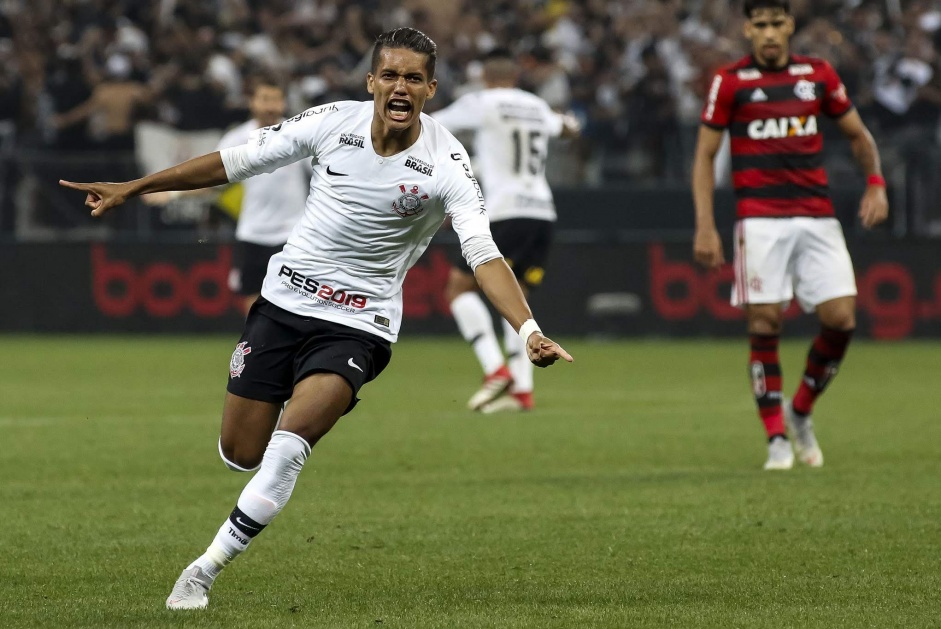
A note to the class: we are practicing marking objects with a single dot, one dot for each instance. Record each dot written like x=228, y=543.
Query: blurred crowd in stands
x=77, y=75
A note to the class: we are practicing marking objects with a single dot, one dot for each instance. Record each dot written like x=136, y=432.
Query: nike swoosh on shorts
x=354, y=365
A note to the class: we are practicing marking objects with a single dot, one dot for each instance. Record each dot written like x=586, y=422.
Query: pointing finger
x=557, y=349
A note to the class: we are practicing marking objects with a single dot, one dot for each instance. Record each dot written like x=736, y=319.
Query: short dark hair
x=499, y=53
x=753, y=5
x=264, y=80
x=411, y=39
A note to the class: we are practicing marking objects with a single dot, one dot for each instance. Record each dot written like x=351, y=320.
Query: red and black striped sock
x=765, y=371
x=823, y=362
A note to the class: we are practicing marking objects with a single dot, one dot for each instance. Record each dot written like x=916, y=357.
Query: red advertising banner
x=643, y=289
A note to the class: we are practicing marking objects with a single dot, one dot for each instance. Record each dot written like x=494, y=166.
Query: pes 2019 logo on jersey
x=323, y=294
x=237, y=362
x=410, y=203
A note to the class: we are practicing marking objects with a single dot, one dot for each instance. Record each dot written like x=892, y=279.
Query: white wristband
x=529, y=326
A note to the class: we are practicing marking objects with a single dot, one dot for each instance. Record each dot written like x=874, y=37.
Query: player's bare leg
x=764, y=329
x=317, y=403
x=837, y=322
x=246, y=430
x=476, y=325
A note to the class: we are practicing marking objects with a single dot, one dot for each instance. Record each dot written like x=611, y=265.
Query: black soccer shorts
x=249, y=266
x=278, y=349
x=524, y=243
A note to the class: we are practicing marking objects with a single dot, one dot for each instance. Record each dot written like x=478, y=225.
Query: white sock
x=517, y=360
x=476, y=326
x=262, y=499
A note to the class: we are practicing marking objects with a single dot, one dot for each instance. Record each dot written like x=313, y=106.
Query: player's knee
x=764, y=325
x=238, y=460
x=842, y=321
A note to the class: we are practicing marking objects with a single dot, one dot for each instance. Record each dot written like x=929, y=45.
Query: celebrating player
x=331, y=304
x=512, y=130
x=787, y=240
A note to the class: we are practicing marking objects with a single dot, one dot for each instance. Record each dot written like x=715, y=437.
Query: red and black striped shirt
x=771, y=115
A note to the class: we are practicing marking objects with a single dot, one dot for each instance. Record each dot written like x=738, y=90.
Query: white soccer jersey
x=271, y=203
x=512, y=130
x=368, y=218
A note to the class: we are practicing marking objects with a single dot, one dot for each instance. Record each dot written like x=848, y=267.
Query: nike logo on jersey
x=238, y=520
x=354, y=365
x=330, y=172
x=759, y=96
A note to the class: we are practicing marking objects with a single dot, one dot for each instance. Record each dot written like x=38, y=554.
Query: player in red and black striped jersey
x=787, y=240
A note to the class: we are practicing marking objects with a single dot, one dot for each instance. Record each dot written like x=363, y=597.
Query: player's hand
x=544, y=351
x=571, y=127
x=707, y=248
x=874, y=208
x=101, y=197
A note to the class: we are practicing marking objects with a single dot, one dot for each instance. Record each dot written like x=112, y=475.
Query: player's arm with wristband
x=464, y=203
x=499, y=284
x=874, y=206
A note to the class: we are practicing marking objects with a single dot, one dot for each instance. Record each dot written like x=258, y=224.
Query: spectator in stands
x=193, y=101
x=652, y=119
x=111, y=111
x=66, y=88
x=193, y=55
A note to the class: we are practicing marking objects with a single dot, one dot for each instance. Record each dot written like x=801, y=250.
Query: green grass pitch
x=632, y=496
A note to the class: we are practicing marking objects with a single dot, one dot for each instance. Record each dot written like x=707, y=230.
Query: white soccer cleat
x=780, y=455
x=495, y=385
x=191, y=590
x=507, y=403
x=801, y=428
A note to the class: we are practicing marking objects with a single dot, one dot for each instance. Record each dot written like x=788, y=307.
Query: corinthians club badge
x=410, y=203
x=237, y=363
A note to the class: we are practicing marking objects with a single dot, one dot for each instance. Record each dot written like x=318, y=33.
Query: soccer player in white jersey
x=512, y=130
x=331, y=305
x=272, y=203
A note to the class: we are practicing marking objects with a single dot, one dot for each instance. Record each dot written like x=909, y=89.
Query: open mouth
x=399, y=109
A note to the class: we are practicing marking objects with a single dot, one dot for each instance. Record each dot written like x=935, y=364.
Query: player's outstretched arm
x=499, y=285
x=200, y=172
x=874, y=207
x=707, y=245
